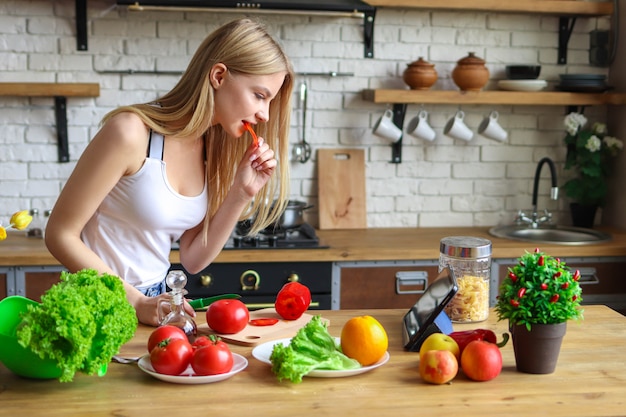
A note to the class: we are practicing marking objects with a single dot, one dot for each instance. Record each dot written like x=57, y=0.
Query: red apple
x=438, y=366
x=481, y=360
x=440, y=341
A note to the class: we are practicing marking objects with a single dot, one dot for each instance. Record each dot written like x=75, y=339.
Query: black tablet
x=427, y=315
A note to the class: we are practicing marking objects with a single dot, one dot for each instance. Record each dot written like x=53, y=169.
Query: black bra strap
x=155, y=147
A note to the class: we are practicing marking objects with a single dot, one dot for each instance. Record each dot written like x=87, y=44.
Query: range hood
x=339, y=8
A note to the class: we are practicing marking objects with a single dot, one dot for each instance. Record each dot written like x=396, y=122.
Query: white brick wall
x=444, y=183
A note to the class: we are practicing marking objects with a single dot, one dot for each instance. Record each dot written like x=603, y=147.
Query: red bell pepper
x=463, y=338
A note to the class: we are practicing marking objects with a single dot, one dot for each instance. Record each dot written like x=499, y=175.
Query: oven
x=259, y=282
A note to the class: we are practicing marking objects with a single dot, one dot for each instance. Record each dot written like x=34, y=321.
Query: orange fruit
x=363, y=338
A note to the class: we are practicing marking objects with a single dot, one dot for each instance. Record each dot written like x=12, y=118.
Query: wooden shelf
x=519, y=98
x=50, y=89
x=554, y=7
x=60, y=92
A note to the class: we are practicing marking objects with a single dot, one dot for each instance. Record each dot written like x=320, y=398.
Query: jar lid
x=471, y=59
x=465, y=247
x=421, y=63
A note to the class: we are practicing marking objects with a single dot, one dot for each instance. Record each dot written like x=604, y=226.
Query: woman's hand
x=147, y=309
x=256, y=168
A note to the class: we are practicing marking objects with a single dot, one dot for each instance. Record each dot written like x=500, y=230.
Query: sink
x=560, y=235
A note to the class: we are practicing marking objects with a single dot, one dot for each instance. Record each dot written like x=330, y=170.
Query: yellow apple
x=440, y=341
x=438, y=366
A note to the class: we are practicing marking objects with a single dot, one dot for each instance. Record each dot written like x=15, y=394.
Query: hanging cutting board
x=254, y=335
x=341, y=188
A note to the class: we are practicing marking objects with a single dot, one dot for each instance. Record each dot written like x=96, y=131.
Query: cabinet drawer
x=381, y=286
x=602, y=279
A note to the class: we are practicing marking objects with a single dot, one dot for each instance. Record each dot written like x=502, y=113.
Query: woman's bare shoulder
x=125, y=129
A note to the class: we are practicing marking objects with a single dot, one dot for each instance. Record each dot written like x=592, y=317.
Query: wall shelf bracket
x=368, y=33
x=60, y=112
x=399, y=111
x=566, y=25
x=81, y=25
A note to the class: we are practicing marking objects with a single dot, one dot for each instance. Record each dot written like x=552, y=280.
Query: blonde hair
x=244, y=47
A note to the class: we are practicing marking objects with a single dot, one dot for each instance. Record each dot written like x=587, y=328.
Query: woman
x=173, y=169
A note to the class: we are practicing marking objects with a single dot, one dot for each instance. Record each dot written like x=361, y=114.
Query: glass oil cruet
x=177, y=316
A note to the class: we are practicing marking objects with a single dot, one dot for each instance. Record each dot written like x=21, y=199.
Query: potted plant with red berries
x=539, y=295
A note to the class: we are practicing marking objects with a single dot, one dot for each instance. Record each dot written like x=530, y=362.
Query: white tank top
x=137, y=222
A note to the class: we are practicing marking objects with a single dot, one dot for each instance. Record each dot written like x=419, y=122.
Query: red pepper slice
x=263, y=322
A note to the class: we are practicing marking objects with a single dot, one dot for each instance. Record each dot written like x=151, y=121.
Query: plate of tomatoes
x=173, y=358
x=188, y=376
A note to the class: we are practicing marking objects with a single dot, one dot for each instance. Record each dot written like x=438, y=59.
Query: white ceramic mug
x=457, y=129
x=490, y=128
x=419, y=127
x=386, y=128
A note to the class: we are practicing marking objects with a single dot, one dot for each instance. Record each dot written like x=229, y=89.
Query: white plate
x=189, y=377
x=522, y=85
x=264, y=351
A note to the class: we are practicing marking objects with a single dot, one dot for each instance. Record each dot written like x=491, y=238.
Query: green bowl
x=18, y=359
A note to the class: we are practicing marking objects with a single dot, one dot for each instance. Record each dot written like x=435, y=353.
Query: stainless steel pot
x=293, y=214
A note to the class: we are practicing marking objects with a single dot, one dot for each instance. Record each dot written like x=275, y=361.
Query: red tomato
x=481, y=360
x=212, y=359
x=165, y=332
x=292, y=300
x=227, y=316
x=201, y=341
x=171, y=356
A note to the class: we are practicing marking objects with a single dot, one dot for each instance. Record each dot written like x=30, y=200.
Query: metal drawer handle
x=588, y=276
x=250, y=280
x=407, y=281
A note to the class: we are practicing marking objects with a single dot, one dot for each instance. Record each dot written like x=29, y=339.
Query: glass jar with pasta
x=469, y=258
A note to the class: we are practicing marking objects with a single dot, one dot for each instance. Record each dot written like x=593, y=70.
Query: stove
x=299, y=237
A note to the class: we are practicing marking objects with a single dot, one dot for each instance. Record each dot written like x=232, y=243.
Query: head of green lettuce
x=80, y=323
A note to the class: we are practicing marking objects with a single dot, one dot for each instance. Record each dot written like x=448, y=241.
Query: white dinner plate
x=189, y=377
x=522, y=85
x=264, y=351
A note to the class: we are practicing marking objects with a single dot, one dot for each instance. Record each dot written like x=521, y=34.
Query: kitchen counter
x=377, y=244
x=589, y=381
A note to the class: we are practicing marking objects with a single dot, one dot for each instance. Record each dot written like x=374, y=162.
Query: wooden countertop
x=379, y=244
x=589, y=381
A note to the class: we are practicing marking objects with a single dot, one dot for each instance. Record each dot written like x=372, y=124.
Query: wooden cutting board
x=341, y=188
x=254, y=335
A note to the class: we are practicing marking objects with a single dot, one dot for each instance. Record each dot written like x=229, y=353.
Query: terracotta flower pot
x=537, y=351
x=420, y=75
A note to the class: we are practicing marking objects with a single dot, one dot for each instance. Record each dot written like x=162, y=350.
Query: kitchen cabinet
x=373, y=285
x=4, y=282
x=28, y=281
x=399, y=284
x=602, y=279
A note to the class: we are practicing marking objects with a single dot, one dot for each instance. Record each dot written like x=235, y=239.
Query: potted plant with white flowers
x=588, y=154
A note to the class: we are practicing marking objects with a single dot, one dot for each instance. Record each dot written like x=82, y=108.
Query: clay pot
x=420, y=75
x=470, y=73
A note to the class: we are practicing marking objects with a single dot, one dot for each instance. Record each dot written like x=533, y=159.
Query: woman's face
x=240, y=98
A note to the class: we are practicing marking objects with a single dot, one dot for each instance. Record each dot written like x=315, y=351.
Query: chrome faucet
x=534, y=220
